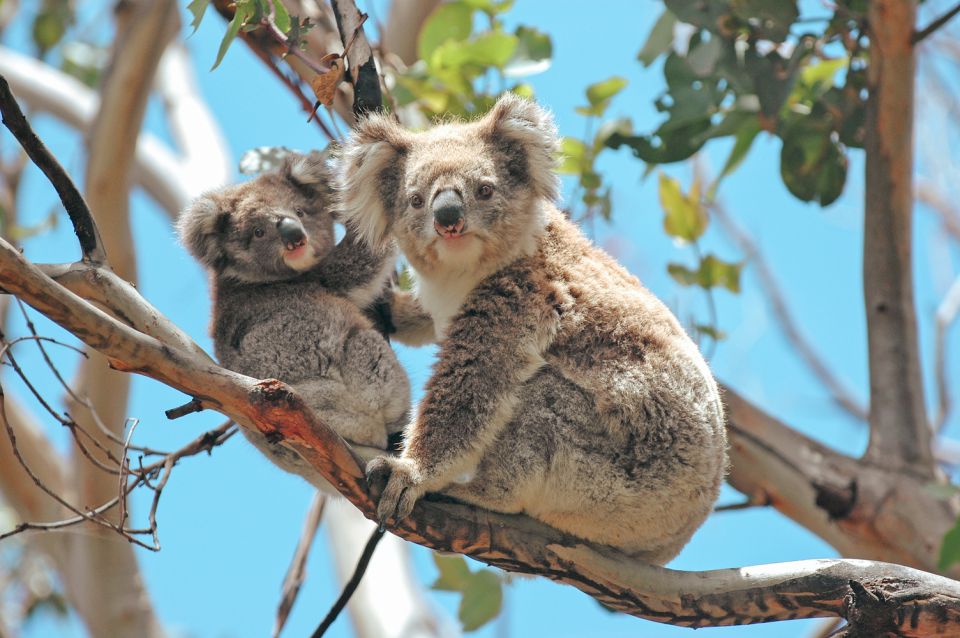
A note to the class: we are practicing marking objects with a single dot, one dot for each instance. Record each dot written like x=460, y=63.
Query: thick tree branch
x=862, y=510
x=927, y=604
x=900, y=435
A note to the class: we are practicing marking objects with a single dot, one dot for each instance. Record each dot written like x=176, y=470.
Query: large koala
x=287, y=304
x=563, y=388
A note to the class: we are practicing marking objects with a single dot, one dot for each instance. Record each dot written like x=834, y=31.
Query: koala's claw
x=403, y=487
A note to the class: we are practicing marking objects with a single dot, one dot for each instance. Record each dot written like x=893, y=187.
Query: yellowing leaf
x=684, y=216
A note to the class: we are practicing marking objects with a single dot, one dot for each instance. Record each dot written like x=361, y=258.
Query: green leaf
x=950, y=549
x=813, y=165
x=197, y=8
x=245, y=10
x=659, y=40
x=710, y=331
x=590, y=180
x=50, y=25
x=741, y=146
x=573, y=156
x=482, y=599
x=532, y=55
x=405, y=282
x=280, y=16
x=494, y=48
x=454, y=572
x=683, y=275
x=684, y=216
x=715, y=273
x=601, y=92
x=448, y=22
x=621, y=125
x=821, y=74
x=710, y=273
x=84, y=61
x=665, y=146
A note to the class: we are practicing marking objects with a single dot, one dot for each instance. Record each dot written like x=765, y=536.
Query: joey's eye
x=485, y=191
x=416, y=201
x=258, y=231
x=299, y=212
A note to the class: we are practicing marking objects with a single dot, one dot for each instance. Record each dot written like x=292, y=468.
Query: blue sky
x=229, y=522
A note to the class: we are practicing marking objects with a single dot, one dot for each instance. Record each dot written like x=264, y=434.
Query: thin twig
x=80, y=216
x=298, y=566
x=920, y=35
x=352, y=584
x=191, y=406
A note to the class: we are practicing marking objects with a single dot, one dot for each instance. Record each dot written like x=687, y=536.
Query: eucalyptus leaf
x=245, y=10
x=660, y=38
x=482, y=600
x=454, y=572
x=280, y=16
x=197, y=8
x=532, y=55
x=453, y=21
x=684, y=215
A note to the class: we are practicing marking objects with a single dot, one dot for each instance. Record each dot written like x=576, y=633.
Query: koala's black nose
x=447, y=208
x=291, y=233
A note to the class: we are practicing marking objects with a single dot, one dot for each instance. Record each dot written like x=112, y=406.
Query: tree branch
x=919, y=36
x=363, y=70
x=900, y=435
x=74, y=203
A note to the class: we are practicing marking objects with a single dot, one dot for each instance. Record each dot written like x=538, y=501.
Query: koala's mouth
x=299, y=255
x=459, y=229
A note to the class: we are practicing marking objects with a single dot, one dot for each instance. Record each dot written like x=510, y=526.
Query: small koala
x=563, y=388
x=287, y=304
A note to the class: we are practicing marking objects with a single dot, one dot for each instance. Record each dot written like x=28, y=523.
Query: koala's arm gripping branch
x=80, y=216
x=353, y=266
x=878, y=598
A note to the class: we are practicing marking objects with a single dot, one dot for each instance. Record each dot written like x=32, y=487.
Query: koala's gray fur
x=563, y=388
x=287, y=305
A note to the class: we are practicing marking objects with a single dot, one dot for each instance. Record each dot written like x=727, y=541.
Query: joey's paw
x=402, y=487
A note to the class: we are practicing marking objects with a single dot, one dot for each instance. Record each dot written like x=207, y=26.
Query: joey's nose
x=448, y=208
x=291, y=233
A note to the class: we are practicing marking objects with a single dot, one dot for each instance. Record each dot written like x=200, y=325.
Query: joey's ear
x=526, y=137
x=200, y=227
x=369, y=177
x=308, y=172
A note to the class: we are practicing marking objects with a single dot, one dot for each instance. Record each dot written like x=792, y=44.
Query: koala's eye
x=258, y=231
x=485, y=191
x=416, y=201
x=299, y=212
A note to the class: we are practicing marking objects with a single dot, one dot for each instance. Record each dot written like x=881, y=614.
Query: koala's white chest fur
x=443, y=296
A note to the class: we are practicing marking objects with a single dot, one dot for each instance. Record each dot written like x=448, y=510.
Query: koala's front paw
x=404, y=486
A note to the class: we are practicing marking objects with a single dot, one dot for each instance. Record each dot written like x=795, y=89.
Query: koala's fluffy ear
x=309, y=172
x=200, y=226
x=369, y=177
x=525, y=133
